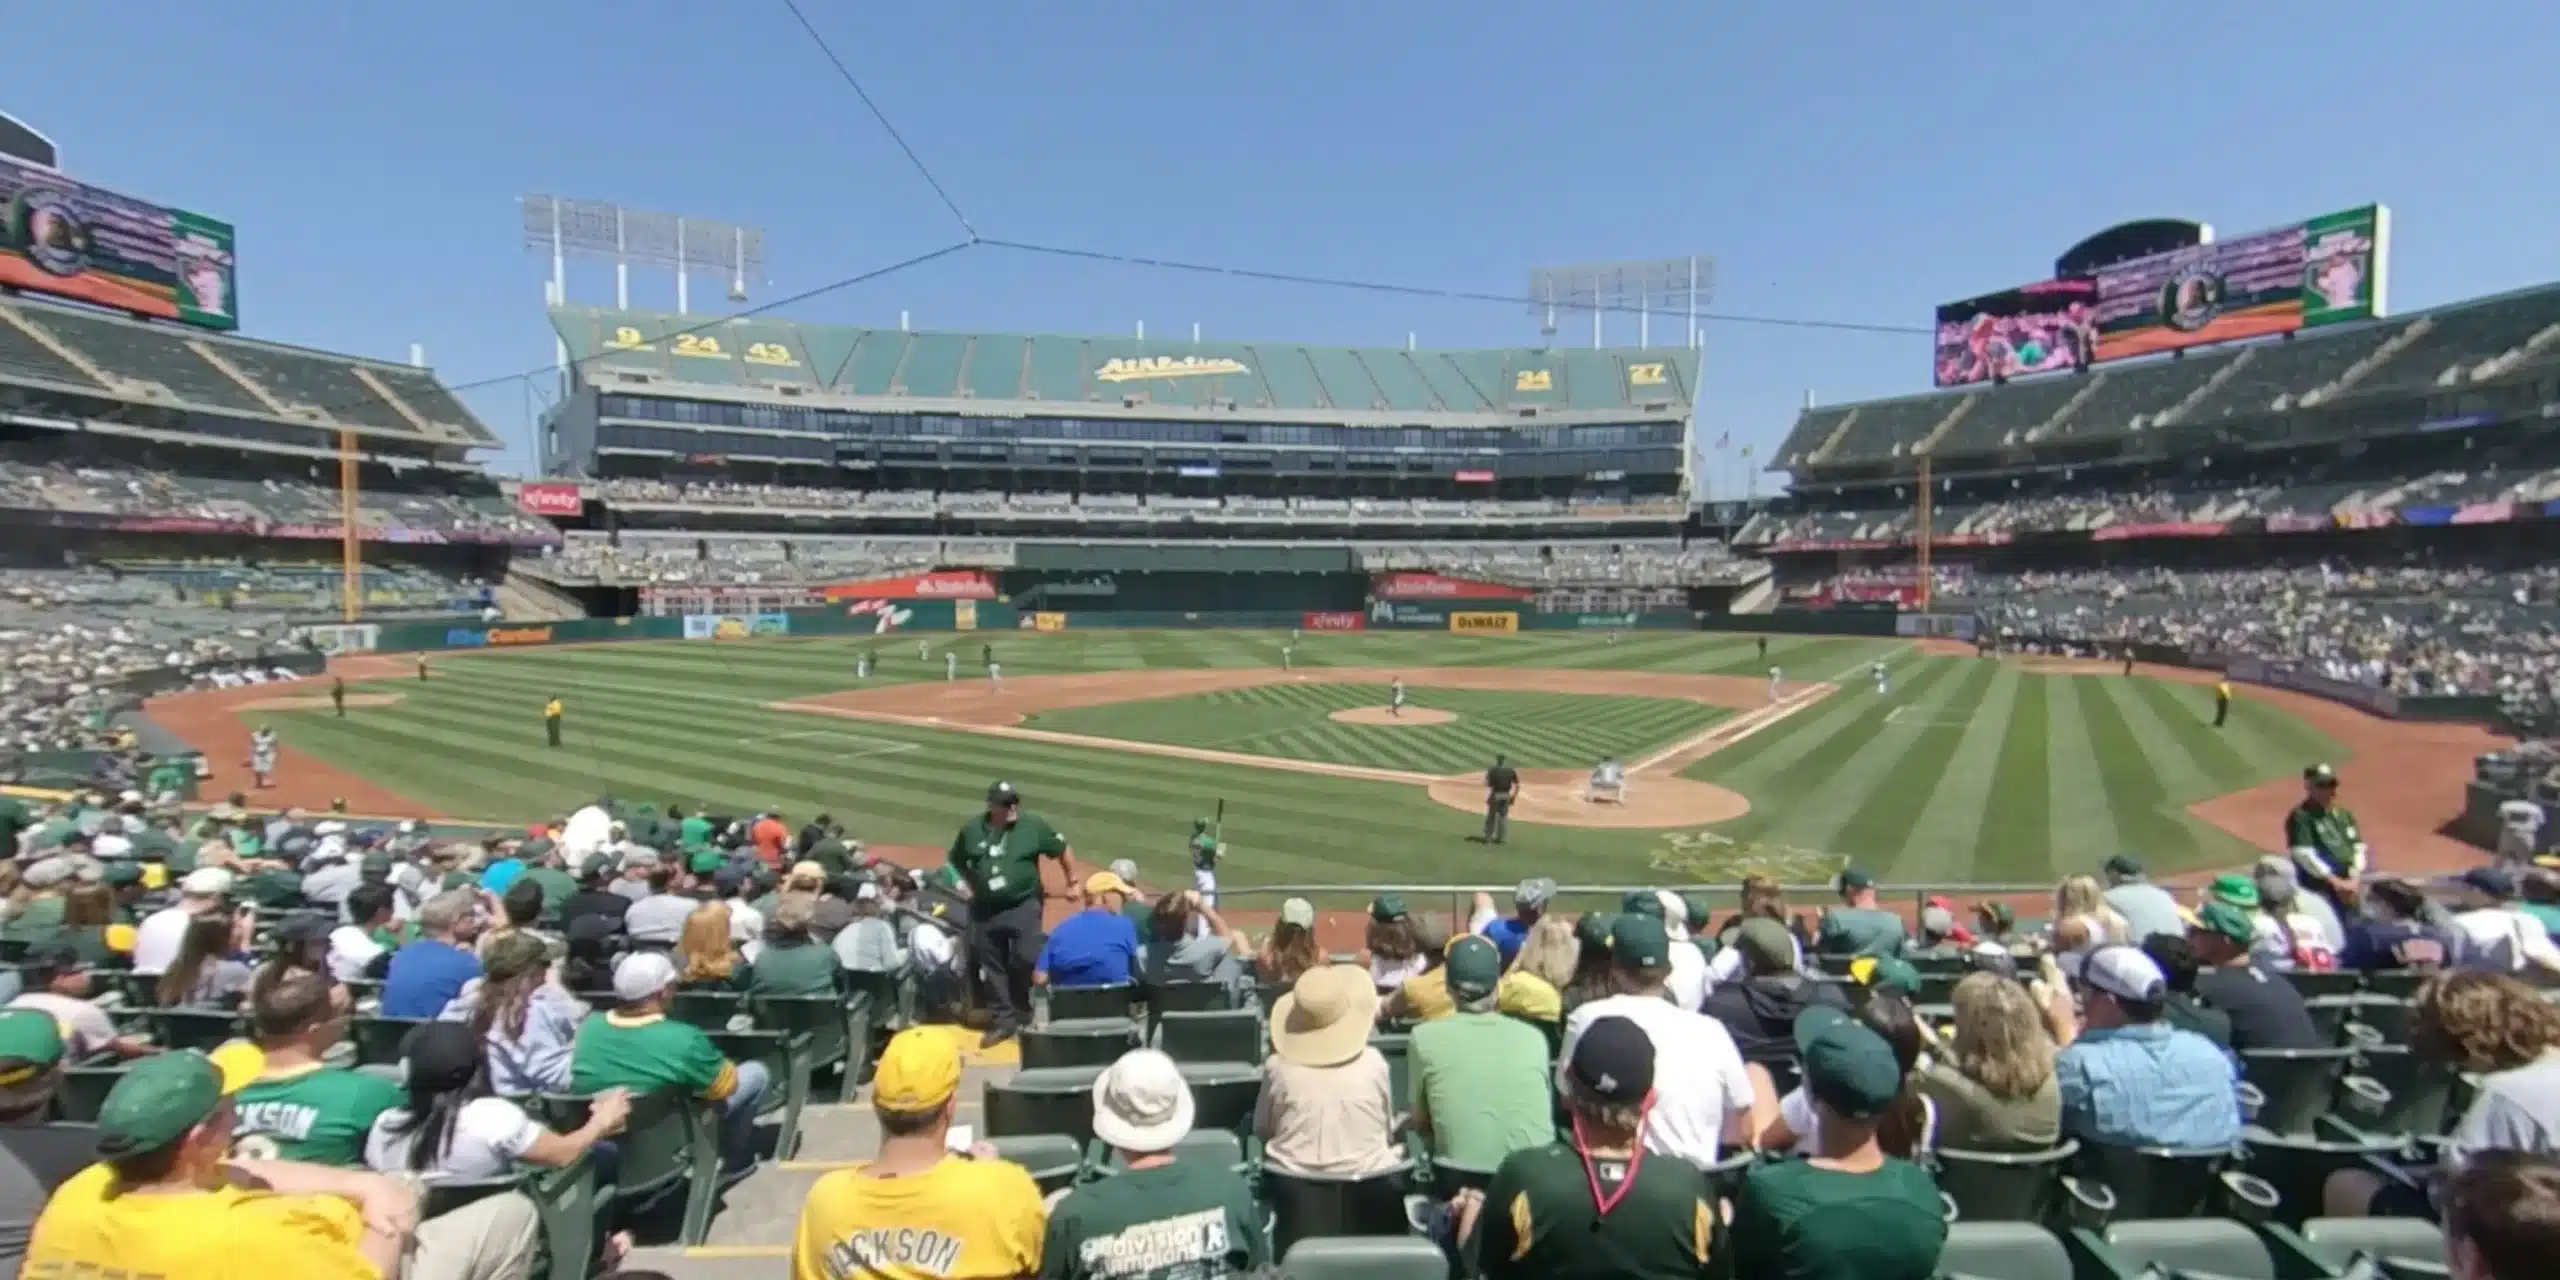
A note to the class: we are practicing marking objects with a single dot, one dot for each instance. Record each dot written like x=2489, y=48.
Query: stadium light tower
x=1668, y=285
x=608, y=232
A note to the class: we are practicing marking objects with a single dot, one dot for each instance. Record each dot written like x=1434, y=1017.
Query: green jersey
x=315, y=1114
x=1204, y=851
x=1482, y=1080
x=1787, y=1220
x=2330, y=833
x=1002, y=864
x=647, y=1054
x=1179, y=1221
x=1859, y=931
x=804, y=968
x=168, y=778
x=556, y=887
x=694, y=831
x=1542, y=1220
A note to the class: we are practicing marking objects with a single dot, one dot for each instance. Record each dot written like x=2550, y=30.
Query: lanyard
x=1604, y=1201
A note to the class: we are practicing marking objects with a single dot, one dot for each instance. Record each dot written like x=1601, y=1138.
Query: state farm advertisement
x=941, y=584
x=550, y=499
x=1432, y=586
x=1353, y=620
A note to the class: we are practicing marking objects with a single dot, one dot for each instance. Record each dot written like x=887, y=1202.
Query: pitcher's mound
x=317, y=702
x=1553, y=797
x=1380, y=715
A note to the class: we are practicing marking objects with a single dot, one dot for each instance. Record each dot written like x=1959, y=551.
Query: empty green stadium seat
x=1053, y=1159
x=1090, y=1002
x=2294, y=1085
x=1055, y=1100
x=1078, y=1042
x=1223, y=1094
x=1364, y=1258
x=1996, y=1186
x=2334, y=1242
x=2003, y=1251
x=2190, y=1246
x=1226, y=1035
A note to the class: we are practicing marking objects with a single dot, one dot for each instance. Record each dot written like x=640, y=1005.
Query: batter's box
x=1929, y=717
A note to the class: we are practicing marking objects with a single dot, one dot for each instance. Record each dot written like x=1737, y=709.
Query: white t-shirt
x=1797, y=1110
x=585, y=834
x=159, y=938
x=931, y=946
x=1389, y=975
x=489, y=1136
x=1698, y=1080
x=85, y=1027
x=350, y=950
x=1688, y=981
x=2498, y=939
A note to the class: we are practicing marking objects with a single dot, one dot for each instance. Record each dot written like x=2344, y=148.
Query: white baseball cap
x=206, y=882
x=2126, y=973
x=1141, y=1103
x=642, y=974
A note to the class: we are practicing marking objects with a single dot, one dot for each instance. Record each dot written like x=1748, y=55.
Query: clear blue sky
x=1842, y=161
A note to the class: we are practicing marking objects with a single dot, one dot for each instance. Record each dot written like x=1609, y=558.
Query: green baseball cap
x=1847, y=1066
x=1475, y=967
x=1199, y=824
x=2239, y=891
x=706, y=861
x=2001, y=914
x=1389, y=906
x=160, y=1098
x=30, y=1041
x=1641, y=902
x=1698, y=911
x=1886, y=973
x=2227, y=920
x=537, y=847
x=1856, y=878
x=1592, y=930
x=121, y=872
x=1639, y=942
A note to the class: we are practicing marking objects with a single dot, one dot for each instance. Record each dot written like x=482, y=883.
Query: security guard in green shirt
x=2325, y=841
x=997, y=856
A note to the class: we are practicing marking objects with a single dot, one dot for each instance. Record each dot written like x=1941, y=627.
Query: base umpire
x=998, y=856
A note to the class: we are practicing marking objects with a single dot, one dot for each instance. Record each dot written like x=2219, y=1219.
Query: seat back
x=1994, y=1186
x=1043, y=1100
x=82, y=1090
x=666, y=1133
x=1051, y=1158
x=2329, y=1016
x=1188, y=997
x=2153, y=1182
x=1397, y=1048
x=2314, y=983
x=1223, y=1094
x=2421, y=1090
x=1091, y=1002
x=1364, y=1258
x=380, y=1041
x=821, y=1018
x=2007, y=1250
x=2336, y=1241
x=1202, y=1147
x=709, y=1010
x=1225, y=1035
x=194, y=1028
x=2210, y=1246
x=1081, y=1043
x=2389, y=1016
x=2396, y=982
x=1306, y=1207
x=2296, y=1084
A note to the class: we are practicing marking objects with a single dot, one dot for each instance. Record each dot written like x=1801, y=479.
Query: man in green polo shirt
x=1858, y=927
x=300, y=1108
x=998, y=855
x=2325, y=841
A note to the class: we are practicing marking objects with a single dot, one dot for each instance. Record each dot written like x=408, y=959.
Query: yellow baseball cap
x=1105, y=882
x=918, y=1071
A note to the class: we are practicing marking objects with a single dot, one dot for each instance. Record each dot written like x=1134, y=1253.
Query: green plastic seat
x=709, y=1010
x=672, y=1142
x=2396, y=982
x=817, y=1026
x=2336, y=1241
x=2315, y=983
x=2295, y=1085
x=2003, y=1250
x=1397, y=1048
x=2191, y=1246
x=1091, y=1002
x=204, y=1029
x=379, y=1041
x=1225, y=1035
x=2127, y=1184
x=786, y=1058
x=1081, y=1042
x=1223, y=1094
x=1053, y=1159
x=1364, y=1258
x=2003, y=1186
x=1055, y=1100
x=83, y=1089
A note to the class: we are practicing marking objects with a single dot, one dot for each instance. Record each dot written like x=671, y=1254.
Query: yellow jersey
x=969, y=1219
x=551, y=709
x=88, y=1230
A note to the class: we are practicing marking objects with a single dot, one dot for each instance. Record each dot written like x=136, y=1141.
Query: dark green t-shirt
x=1002, y=865
x=2331, y=832
x=802, y=968
x=319, y=1115
x=832, y=856
x=1183, y=1221
x=273, y=889
x=1860, y=931
x=14, y=818
x=1787, y=1223
x=1542, y=1222
x=40, y=920
x=557, y=887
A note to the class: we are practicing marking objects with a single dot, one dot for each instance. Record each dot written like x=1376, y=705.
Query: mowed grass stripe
x=2147, y=823
x=2017, y=832
x=2083, y=821
x=1883, y=824
x=1845, y=786
x=1945, y=840
x=1803, y=805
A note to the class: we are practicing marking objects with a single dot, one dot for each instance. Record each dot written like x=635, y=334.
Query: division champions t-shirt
x=1181, y=1221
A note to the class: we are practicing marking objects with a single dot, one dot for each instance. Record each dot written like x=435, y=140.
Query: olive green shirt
x=1002, y=864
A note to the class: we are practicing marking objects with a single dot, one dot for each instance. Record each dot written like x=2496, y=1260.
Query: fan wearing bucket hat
x=165, y=1199
x=637, y=1047
x=1602, y=1204
x=2265, y=1010
x=998, y=853
x=1707, y=1102
x=1160, y=1215
x=1858, y=927
x=1478, y=1077
x=2323, y=838
x=916, y=1209
x=2130, y=1078
x=1095, y=947
x=1328, y=1108
x=1788, y=1215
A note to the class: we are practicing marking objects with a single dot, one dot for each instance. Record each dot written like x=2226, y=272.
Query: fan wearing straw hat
x=1160, y=1216
x=1327, y=1108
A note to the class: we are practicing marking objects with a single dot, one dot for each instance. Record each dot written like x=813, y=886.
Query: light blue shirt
x=2149, y=1086
x=538, y=1060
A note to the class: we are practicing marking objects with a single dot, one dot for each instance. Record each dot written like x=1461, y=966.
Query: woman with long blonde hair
x=704, y=957
x=1993, y=1083
x=1533, y=987
x=2081, y=896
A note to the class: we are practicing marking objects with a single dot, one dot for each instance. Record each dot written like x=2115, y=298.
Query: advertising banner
x=2162, y=529
x=1393, y=613
x=550, y=499
x=941, y=584
x=1473, y=476
x=2485, y=513
x=496, y=637
x=964, y=615
x=74, y=240
x=337, y=638
x=1048, y=622
x=735, y=626
x=1335, y=621
x=1432, y=586
x=2038, y=328
x=2329, y=270
x=884, y=616
x=1485, y=623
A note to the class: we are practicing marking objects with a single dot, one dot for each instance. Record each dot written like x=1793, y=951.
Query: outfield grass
x=1967, y=770
x=1536, y=730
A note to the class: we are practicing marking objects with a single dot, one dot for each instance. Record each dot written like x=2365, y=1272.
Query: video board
x=67, y=238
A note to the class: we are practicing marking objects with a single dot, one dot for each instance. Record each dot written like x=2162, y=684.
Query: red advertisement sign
x=941, y=584
x=2170, y=529
x=1353, y=620
x=1432, y=586
x=550, y=499
x=1473, y=477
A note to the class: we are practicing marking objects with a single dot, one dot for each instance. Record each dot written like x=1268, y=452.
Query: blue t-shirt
x=1093, y=948
x=1506, y=934
x=424, y=977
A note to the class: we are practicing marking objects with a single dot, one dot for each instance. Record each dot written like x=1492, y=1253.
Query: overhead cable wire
x=854, y=83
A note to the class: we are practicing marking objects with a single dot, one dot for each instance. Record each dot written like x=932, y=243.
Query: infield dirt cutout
x=1390, y=718
x=1656, y=798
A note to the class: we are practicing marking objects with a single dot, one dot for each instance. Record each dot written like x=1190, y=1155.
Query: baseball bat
x=1218, y=825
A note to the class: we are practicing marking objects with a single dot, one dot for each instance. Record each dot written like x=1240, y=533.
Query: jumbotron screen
x=65, y=237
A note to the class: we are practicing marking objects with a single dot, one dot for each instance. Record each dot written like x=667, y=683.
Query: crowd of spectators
x=987, y=502
x=144, y=493
x=69, y=638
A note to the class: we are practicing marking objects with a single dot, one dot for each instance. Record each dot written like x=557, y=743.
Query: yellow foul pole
x=350, y=547
x=1925, y=514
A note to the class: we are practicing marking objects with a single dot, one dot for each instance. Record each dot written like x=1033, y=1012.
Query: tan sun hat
x=1324, y=1021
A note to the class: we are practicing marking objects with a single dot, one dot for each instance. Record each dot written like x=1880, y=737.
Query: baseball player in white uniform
x=1776, y=684
x=995, y=673
x=1883, y=683
x=950, y=666
x=1395, y=696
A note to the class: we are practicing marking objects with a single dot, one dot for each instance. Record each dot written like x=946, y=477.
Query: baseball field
x=1964, y=770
